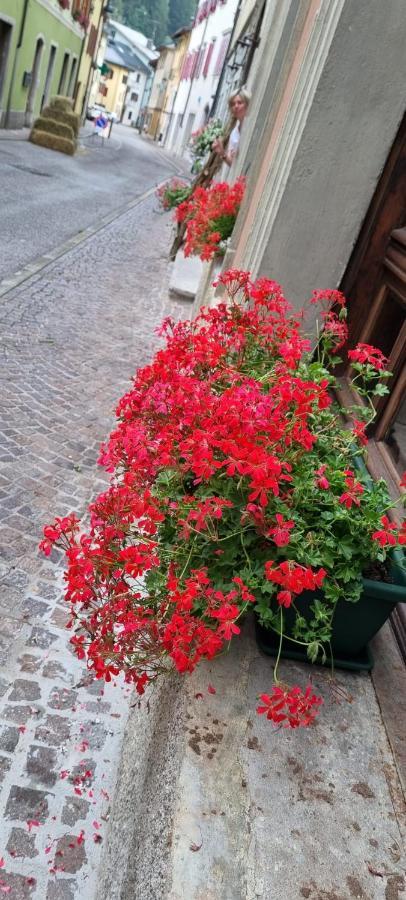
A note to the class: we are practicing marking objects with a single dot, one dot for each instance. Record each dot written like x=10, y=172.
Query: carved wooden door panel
x=375, y=285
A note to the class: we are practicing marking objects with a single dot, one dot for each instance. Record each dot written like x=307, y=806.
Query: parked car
x=94, y=111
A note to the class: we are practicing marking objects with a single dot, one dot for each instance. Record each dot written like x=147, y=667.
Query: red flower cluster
x=290, y=708
x=61, y=529
x=210, y=214
x=352, y=496
x=294, y=579
x=364, y=353
x=214, y=459
x=388, y=534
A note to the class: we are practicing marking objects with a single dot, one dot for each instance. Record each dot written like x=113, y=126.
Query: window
x=72, y=78
x=5, y=38
x=134, y=97
x=138, y=77
x=124, y=79
x=64, y=72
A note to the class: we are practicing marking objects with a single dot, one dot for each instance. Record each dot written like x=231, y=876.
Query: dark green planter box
x=355, y=624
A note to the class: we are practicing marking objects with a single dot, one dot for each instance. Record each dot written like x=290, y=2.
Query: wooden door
x=375, y=285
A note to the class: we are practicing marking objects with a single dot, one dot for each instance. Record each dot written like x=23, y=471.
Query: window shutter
x=209, y=55
x=222, y=55
x=199, y=62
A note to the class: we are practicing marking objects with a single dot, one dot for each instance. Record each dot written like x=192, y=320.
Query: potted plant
x=234, y=486
x=209, y=215
x=201, y=142
x=172, y=193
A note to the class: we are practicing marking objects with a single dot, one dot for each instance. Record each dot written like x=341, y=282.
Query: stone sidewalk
x=70, y=344
x=193, y=797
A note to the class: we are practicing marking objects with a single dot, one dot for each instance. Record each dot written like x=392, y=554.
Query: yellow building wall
x=113, y=100
x=85, y=67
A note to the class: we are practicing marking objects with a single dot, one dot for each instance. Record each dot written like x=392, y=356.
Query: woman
x=222, y=149
x=238, y=105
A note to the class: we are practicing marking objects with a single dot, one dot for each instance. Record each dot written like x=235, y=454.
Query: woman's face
x=238, y=107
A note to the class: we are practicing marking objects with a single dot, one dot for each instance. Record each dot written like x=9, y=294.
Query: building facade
x=125, y=89
x=40, y=48
x=201, y=70
x=98, y=11
x=160, y=89
x=181, y=39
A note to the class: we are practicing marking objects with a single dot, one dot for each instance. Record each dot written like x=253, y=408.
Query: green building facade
x=40, y=48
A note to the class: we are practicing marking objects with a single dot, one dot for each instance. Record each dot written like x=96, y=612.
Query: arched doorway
x=29, y=110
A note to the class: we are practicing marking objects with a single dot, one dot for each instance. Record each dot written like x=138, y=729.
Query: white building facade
x=143, y=53
x=201, y=71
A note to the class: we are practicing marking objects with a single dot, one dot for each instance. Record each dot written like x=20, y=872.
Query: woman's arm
x=219, y=148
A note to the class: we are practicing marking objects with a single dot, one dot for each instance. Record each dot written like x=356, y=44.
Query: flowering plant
x=233, y=486
x=209, y=215
x=172, y=193
x=64, y=4
x=201, y=141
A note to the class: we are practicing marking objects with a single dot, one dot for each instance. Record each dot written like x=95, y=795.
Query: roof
x=184, y=30
x=167, y=44
x=119, y=55
x=136, y=38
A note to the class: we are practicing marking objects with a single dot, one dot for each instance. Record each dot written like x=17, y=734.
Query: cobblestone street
x=72, y=336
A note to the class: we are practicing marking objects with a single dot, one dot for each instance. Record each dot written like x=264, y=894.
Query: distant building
x=160, y=117
x=159, y=91
x=181, y=39
x=201, y=71
x=118, y=90
x=40, y=49
x=124, y=89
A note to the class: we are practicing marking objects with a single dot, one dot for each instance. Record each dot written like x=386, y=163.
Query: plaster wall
x=87, y=59
x=45, y=21
x=332, y=116
x=181, y=48
x=132, y=107
x=10, y=16
x=159, y=91
x=114, y=99
x=96, y=77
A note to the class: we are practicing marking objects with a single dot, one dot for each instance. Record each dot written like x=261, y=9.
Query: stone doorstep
x=214, y=787
x=185, y=277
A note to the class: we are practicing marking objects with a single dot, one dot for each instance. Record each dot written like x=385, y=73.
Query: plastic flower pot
x=355, y=624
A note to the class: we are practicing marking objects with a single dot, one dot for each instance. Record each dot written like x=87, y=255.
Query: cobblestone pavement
x=71, y=339
x=48, y=197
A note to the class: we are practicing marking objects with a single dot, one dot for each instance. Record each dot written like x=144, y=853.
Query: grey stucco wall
x=350, y=128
